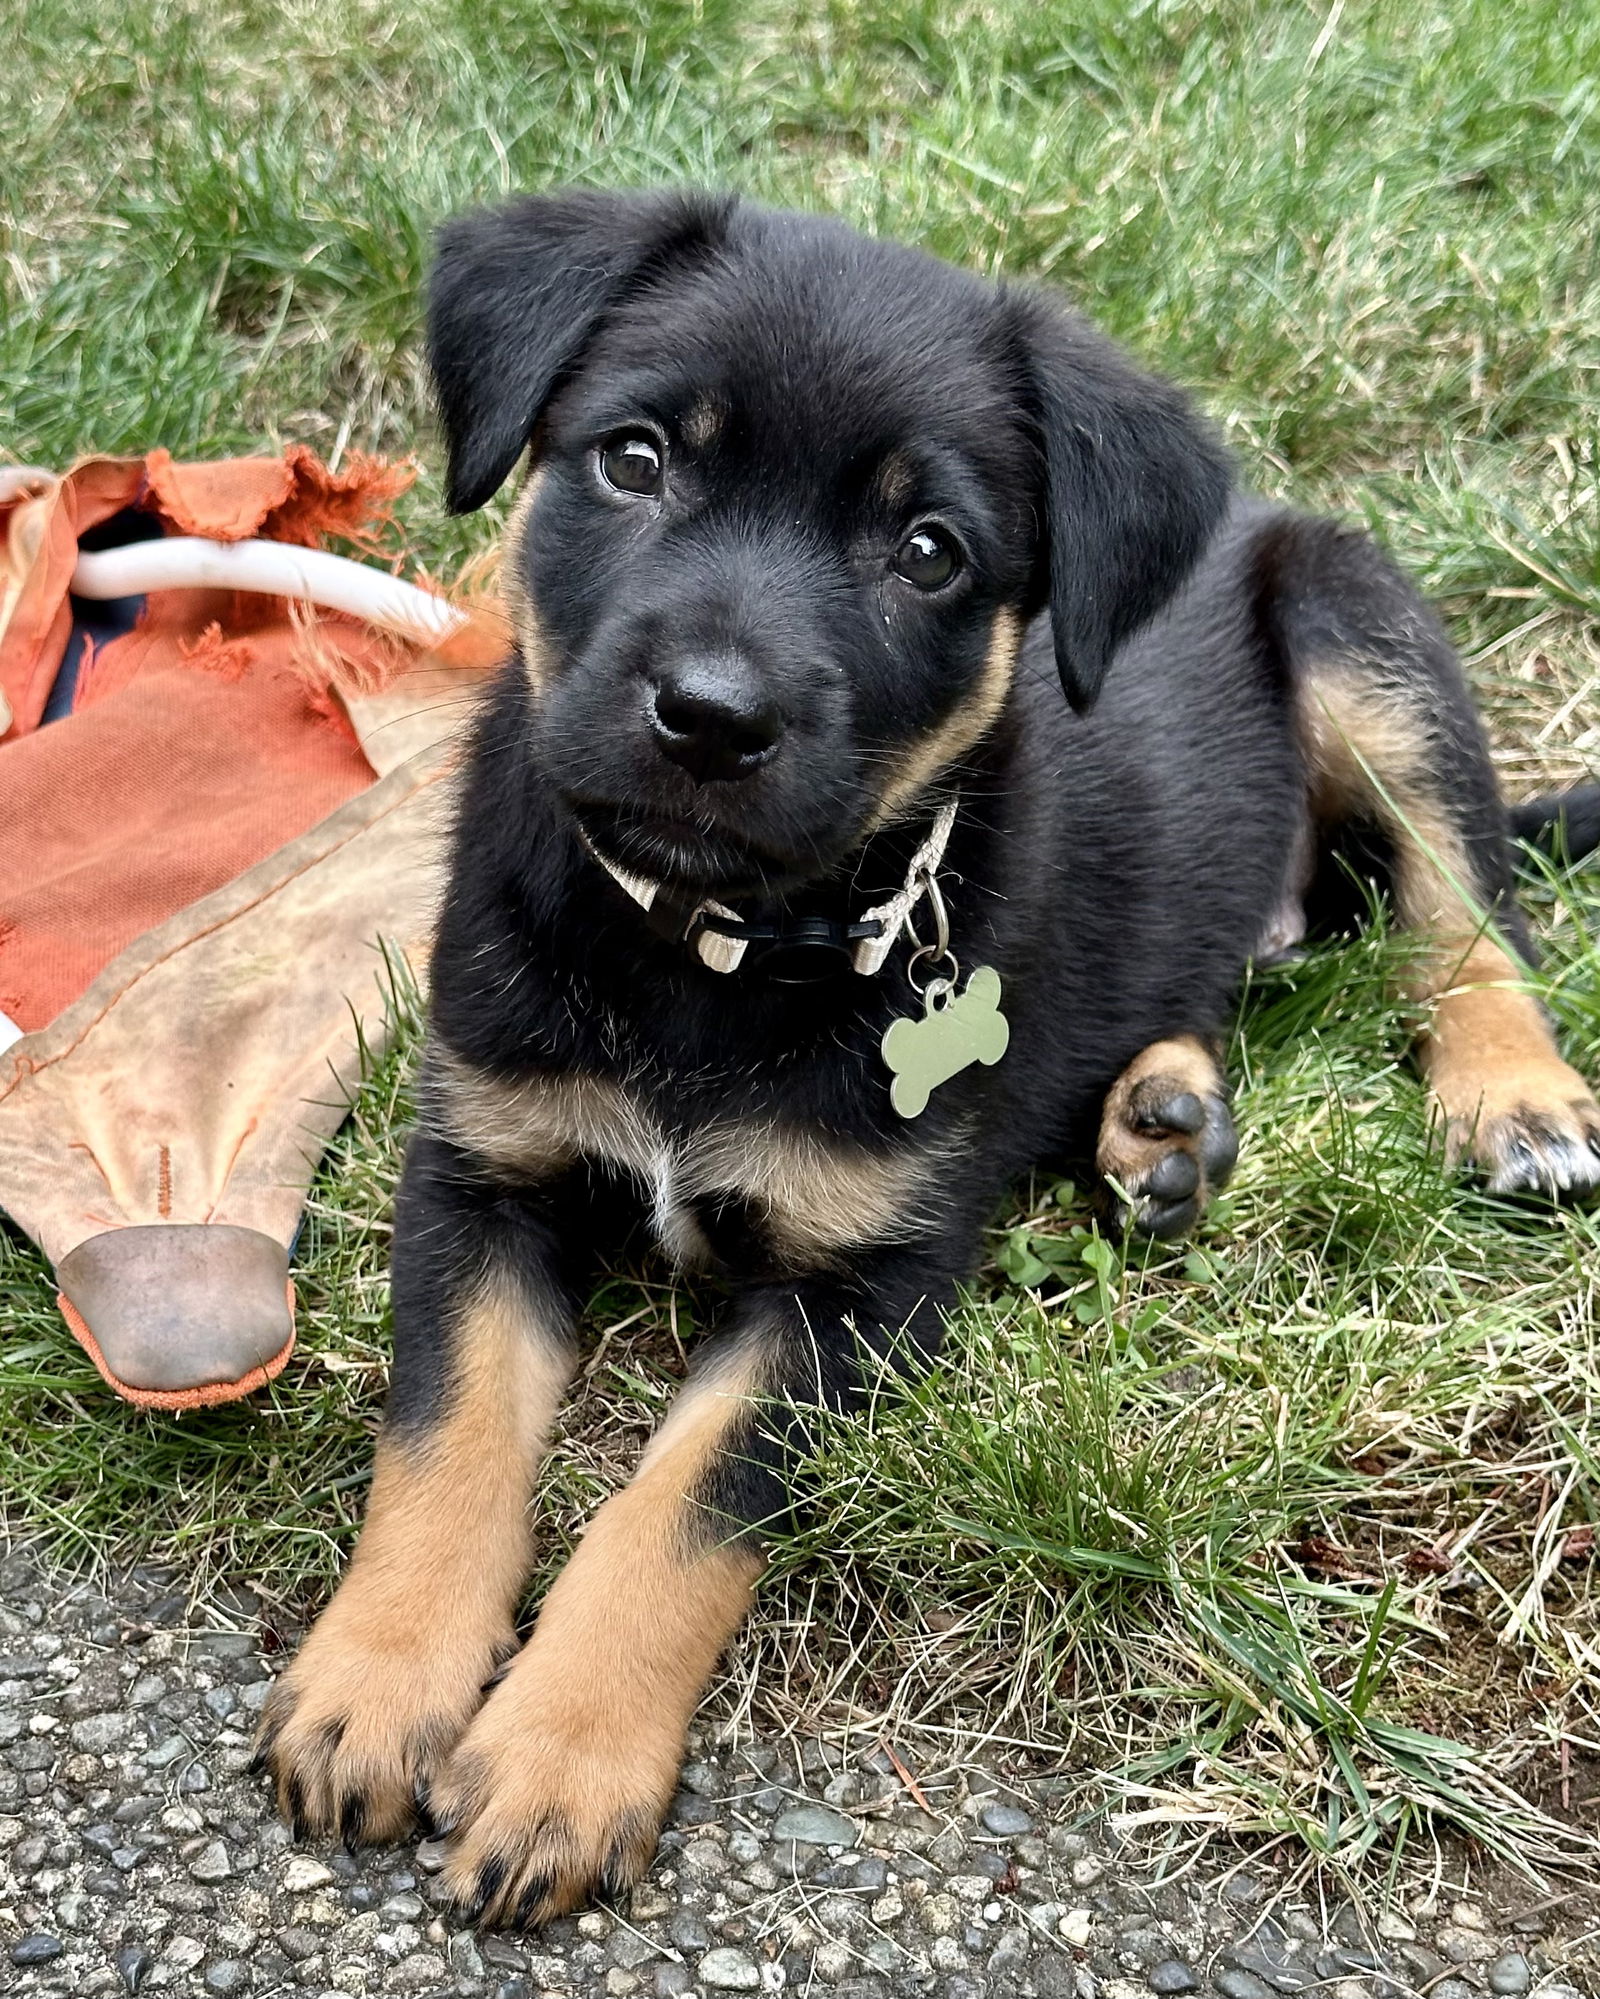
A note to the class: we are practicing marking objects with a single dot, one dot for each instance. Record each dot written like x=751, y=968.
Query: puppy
x=796, y=912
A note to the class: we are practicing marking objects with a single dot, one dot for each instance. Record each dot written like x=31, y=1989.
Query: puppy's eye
x=632, y=464
x=927, y=558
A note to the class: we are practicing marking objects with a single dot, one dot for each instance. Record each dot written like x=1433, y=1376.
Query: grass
x=1289, y=1531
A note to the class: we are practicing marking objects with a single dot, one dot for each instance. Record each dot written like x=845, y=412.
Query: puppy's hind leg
x=356, y=1729
x=1394, y=751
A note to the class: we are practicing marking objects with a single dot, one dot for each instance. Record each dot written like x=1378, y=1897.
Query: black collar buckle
x=792, y=950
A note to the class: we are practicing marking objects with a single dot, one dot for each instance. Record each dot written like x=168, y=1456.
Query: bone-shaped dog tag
x=955, y=1031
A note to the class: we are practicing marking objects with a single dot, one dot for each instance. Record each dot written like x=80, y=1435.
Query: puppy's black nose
x=710, y=715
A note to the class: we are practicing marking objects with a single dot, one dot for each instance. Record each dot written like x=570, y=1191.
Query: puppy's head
x=794, y=496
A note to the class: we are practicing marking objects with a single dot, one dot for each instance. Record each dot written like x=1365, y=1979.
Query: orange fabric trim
x=224, y=501
x=210, y=1395
x=41, y=619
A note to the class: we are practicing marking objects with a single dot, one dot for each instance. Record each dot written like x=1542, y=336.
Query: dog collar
x=721, y=938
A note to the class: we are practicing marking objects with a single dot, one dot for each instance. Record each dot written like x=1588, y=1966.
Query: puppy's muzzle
x=712, y=717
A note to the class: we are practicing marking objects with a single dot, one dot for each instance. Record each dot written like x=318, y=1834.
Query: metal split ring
x=937, y=950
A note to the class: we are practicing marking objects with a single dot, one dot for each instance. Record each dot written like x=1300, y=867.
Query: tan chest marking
x=819, y=1195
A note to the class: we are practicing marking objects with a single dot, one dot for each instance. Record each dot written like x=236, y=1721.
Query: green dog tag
x=955, y=1031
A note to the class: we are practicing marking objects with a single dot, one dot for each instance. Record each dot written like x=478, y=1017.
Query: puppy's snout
x=712, y=717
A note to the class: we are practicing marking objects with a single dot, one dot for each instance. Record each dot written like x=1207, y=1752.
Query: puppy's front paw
x=1532, y=1131
x=356, y=1729
x=1165, y=1149
x=555, y=1795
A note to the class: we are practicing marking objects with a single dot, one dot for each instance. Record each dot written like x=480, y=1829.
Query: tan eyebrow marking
x=897, y=479
x=703, y=424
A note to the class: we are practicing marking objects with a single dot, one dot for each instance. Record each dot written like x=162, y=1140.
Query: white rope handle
x=276, y=568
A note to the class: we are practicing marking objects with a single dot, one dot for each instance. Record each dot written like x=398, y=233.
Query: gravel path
x=136, y=1854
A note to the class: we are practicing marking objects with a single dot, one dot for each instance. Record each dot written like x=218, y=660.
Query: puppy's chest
x=785, y=1191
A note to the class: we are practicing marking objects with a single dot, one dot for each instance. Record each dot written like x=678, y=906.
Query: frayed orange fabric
x=173, y=1401
x=294, y=498
x=214, y=652
x=198, y=742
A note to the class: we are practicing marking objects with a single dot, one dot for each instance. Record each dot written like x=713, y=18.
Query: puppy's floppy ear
x=1134, y=484
x=516, y=293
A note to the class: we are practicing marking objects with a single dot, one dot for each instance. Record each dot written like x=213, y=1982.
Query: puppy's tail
x=1563, y=824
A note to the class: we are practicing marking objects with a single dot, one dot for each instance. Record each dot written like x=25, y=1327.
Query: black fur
x=1564, y=825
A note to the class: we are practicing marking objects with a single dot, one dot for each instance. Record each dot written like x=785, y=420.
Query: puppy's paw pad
x=521, y=1876
x=550, y=1810
x=1550, y=1151
x=1164, y=1154
x=355, y=1730
x=526, y=1848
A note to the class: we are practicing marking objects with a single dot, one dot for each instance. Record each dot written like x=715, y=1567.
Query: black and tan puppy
x=815, y=531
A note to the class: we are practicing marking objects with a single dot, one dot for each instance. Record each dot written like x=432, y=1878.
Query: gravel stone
x=1236, y=1984
x=99, y=1732
x=303, y=1874
x=1277, y=1971
x=1172, y=1975
x=817, y=1825
x=688, y=1932
x=211, y=1863
x=36, y=1949
x=228, y=1974
x=1510, y=1974
x=940, y=1915
x=730, y=1971
x=417, y=1974
x=132, y=1962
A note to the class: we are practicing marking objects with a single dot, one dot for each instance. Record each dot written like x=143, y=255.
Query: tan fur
x=897, y=480
x=566, y=1773
x=396, y=1663
x=960, y=730
x=1495, y=1075
x=820, y=1195
x=1125, y=1152
x=1492, y=1063
x=703, y=424
x=513, y=590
